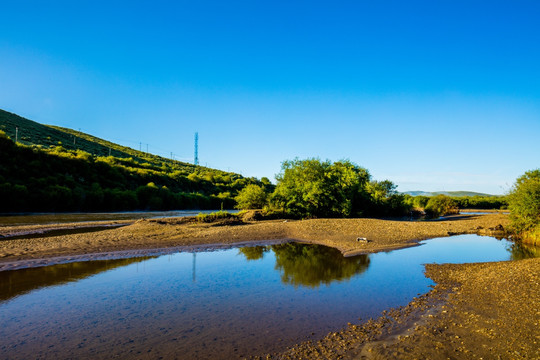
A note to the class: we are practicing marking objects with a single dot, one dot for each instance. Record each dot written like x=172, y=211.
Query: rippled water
x=220, y=304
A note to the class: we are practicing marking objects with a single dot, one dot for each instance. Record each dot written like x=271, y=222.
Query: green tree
x=251, y=197
x=385, y=200
x=524, y=202
x=382, y=189
x=314, y=188
x=441, y=205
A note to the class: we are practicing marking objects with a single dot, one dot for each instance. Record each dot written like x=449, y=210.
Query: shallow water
x=62, y=218
x=220, y=304
x=472, y=212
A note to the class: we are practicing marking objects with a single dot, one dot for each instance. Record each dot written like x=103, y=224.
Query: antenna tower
x=196, y=161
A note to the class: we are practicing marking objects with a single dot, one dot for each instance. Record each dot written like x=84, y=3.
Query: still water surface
x=62, y=218
x=217, y=304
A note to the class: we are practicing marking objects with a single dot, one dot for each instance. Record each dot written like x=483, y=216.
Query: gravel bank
x=177, y=232
x=476, y=311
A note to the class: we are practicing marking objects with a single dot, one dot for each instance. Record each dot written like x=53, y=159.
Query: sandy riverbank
x=475, y=311
x=178, y=232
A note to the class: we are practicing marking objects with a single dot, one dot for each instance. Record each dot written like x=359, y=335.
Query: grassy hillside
x=32, y=133
x=57, y=169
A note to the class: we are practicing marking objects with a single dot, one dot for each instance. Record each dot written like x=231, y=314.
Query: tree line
x=34, y=178
x=315, y=188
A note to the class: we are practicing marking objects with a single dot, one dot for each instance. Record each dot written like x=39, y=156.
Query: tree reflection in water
x=17, y=282
x=310, y=265
x=254, y=252
x=521, y=251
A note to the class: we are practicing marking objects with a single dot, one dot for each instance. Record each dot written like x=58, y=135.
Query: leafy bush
x=311, y=188
x=251, y=197
x=314, y=188
x=385, y=201
x=441, y=205
x=524, y=203
x=420, y=201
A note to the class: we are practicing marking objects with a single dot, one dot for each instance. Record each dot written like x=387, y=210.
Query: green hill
x=47, y=136
x=447, y=193
x=57, y=169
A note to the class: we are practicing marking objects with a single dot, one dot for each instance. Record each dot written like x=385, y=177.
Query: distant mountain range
x=448, y=193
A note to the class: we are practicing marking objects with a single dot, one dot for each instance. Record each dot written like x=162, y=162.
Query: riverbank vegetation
x=315, y=188
x=251, y=197
x=462, y=202
x=524, y=205
x=53, y=169
x=34, y=178
x=441, y=205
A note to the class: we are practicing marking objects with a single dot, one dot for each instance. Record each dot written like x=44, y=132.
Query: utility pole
x=147, y=148
x=140, y=146
x=16, y=134
x=196, y=160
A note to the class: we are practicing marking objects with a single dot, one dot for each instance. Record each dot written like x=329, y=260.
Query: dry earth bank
x=177, y=232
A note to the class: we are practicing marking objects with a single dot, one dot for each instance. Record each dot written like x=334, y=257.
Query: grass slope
x=56, y=169
x=47, y=136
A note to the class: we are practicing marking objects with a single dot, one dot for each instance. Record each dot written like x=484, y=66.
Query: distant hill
x=448, y=193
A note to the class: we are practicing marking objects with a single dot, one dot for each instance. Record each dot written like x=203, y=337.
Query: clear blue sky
x=433, y=95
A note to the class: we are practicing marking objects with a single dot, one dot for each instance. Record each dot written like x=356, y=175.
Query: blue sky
x=433, y=95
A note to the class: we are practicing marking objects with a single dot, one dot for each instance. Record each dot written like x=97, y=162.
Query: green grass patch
x=216, y=216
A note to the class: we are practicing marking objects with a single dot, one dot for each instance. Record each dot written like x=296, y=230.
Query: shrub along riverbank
x=524, y=205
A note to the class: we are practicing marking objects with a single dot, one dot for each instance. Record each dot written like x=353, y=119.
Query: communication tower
x=196, y=161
